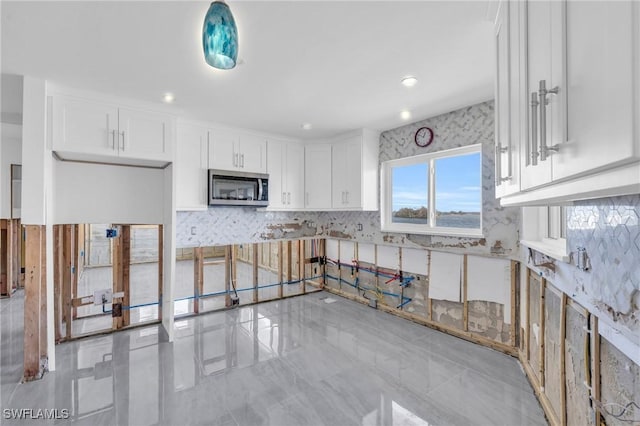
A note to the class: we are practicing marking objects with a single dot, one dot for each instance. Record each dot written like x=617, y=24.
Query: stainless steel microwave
x=231, y=188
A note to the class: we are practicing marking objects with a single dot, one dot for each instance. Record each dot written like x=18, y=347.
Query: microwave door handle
x=259, y=189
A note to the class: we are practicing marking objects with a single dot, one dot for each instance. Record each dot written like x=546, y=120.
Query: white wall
x=10, y=153
x=99, y=193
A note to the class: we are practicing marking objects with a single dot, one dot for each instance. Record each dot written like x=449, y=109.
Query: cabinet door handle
x=283, y=198
x=346, y=197
x=499, y=151
x=533, y=148
x=542, y=94
x=123, y=144
x=235, y=160
x=113, y=139
x=242, y=160
x=288, y=198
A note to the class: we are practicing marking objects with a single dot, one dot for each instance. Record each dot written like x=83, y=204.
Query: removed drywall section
x=578, y=411
x=536, y=330
x=487, y=319
x=620, y=386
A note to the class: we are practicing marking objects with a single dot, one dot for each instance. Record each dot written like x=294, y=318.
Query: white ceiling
x=334, y=64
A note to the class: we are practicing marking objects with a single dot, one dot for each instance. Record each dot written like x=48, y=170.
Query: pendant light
x=220, y=36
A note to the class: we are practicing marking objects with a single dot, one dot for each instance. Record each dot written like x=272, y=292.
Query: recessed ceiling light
x=168, y=97
x=306, y=126
x=405, y=115
x=409, y=81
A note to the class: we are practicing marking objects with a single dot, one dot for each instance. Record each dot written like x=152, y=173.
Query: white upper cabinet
x=191, y=167
x=233, y=150
x=355, y=172
x=582, y=62
x=317, y=176
x=86, y=129
x=285, y=161
x=510, y=105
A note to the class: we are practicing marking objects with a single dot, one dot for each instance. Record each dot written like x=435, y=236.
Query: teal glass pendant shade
x=220, y=37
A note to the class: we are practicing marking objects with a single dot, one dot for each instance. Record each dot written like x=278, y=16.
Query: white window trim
x=387, y=225
x=535, y=229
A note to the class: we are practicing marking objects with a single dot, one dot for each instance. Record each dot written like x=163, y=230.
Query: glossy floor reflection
x=298, y=361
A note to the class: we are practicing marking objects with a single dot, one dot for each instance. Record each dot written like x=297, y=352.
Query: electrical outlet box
x=235, y=300
x=112, y=232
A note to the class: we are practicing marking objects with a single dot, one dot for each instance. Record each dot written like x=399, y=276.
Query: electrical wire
x=625, y=408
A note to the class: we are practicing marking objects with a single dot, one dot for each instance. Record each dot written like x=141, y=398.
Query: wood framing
x=280, y=271
x=302, y=265
x=43, y=293
x=198, y=277
x=563, y=356
x=515, y=307
x=465, y=302
x=543, y=286
x=255, y=272
x=33, y=300
x=75, y=255
x=160, y=268
x=429, y=301
x=67, y=236
x=227, y=275
x=58, y=266
x=595, y=364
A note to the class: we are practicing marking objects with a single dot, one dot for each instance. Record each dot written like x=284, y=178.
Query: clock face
x=424, y=136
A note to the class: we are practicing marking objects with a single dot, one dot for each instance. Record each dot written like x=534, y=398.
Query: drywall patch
x=448, y=313
x=620, y=385
x=578, y=412
x=487, y=319
x=552, y=371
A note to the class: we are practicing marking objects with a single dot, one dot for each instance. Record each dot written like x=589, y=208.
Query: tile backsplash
x=608, y=230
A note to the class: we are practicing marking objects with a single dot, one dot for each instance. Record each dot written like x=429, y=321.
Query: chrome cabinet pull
x=499, y=151
x=113, y=139
x=282, y=199
x=533, y=159
x=123, y=144
x=542, y=94
x=235, y=160
x=288, y=198
x=242, y=160
x=346, y=197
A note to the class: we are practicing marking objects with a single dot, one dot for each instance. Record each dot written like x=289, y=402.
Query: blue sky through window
x=458, y=184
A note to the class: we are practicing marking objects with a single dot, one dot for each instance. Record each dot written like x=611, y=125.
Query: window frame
x=386, y=198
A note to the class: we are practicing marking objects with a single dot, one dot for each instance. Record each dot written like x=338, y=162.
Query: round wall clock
x=424, y=136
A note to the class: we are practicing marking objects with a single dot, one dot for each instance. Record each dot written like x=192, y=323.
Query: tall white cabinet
x=285, y=161
x=191, y=166
x=580, y=91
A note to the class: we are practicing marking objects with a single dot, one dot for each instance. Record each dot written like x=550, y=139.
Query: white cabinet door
x=510, y=106
x=275, y=168
x=317, y=176
x=223, y=149
x=252, y=154
x=294, y=175
x=347, y=173
x=145, y=135
x=542, y=66
x=353, y=173
x=84, y=126
x=191, y=167
x=339, y=164
x=601, y=47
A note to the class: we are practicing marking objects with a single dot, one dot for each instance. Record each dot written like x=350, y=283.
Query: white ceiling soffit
x=334, y=64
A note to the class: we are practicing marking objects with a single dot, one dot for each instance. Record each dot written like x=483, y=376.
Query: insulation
x=445, y=276
x=552, y=370
x=620, y=385
x=578, y=412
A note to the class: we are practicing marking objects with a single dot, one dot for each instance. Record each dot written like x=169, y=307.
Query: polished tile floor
x=298, y=361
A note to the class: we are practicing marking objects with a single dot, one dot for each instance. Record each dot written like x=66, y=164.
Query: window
x=436, y=193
